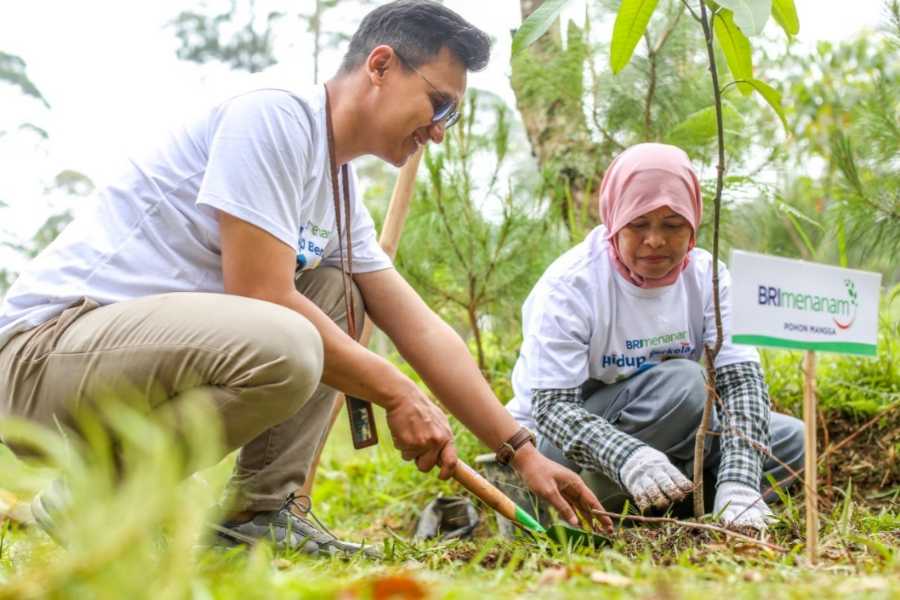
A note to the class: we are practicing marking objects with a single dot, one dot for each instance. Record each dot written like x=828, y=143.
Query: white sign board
x=787, y=303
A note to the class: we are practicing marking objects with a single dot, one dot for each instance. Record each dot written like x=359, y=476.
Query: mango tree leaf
x=631, y=22
x=750, y=15
x=772, y=96
x=537, y=24
x=699, y=128
x=736, y=48
x=785, y=14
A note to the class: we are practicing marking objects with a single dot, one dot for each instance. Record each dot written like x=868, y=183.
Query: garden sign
x=794, y=304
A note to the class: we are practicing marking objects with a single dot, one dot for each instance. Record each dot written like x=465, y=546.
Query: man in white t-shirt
x=212, y=265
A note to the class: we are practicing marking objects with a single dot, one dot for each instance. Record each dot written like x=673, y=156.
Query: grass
x=137, y=530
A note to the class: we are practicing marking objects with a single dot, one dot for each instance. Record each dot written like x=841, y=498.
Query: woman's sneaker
x=286, y=529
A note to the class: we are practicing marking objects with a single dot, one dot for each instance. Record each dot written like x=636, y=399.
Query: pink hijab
x=639, y=180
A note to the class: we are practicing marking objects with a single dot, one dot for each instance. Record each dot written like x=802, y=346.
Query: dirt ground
x=870, y=460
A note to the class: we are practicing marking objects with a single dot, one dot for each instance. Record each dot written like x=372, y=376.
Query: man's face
x=410, y=100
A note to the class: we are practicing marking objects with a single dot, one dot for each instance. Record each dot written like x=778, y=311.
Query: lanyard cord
x=346, y=268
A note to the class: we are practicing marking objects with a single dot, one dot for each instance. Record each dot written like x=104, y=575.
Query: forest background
x=515, y=183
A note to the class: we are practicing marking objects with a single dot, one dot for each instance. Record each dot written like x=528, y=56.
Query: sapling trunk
x=700, y=439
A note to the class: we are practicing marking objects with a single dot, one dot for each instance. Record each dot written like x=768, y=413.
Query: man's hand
x=559, y=486
x=739, y=505
x=422, y=433
x=651, y=479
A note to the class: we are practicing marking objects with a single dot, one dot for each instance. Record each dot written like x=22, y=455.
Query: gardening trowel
x=493, y=497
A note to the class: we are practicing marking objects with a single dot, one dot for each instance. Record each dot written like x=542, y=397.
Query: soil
x=871, y=461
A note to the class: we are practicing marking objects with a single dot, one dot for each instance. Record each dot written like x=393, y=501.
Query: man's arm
x=257, y=265
x=442, y=359
x=436, y=353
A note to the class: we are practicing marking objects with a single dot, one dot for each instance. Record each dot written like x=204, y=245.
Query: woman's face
x=655, y=242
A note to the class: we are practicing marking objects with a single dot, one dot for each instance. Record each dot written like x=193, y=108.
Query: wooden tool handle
x=485, y=490
x=493, y=497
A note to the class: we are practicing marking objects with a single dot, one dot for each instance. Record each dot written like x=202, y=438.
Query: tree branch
x=651, y=86
x=438, y=200
x=691, y=10
x=692, y=525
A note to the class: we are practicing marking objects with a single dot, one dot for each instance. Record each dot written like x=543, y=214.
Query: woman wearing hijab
x=609, y=373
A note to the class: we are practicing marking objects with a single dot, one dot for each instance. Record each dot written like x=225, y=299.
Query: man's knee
x=287, y=361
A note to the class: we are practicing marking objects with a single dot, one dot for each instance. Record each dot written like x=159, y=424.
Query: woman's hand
x=651, y=479
x=739, y=505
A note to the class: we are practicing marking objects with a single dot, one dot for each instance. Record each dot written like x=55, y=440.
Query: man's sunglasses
x=445, y=113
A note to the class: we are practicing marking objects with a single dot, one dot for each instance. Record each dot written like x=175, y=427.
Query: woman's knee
x=683, y=386
x=661, y=406
x=787, y=440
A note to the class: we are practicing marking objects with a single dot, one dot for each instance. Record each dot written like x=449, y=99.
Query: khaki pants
x=260, y=363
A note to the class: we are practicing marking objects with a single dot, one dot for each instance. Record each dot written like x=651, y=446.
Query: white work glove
x=740, y=505
x=651, y=479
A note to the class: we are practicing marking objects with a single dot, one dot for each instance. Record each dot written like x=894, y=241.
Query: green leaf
x=788, y=209
x=12, y=71
x=631, y=22
x=750, y=15
x=785, y=14
x=40, y=131
x=537, y=24
x=772, y=96
x=699, y=127
x=842, y=245
x=791, y=214
x=736, y=48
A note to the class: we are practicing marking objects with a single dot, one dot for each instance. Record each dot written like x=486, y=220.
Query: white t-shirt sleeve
x=368, y=256
x=729, y=353
x=557, y=333
x=259, y=147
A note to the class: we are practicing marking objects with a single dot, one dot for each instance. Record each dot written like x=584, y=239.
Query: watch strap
x=508, y=449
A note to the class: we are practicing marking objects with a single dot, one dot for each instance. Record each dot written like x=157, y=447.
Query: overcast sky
x=109, y=71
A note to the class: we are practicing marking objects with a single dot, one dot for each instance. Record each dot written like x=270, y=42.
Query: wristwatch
x=507, y=449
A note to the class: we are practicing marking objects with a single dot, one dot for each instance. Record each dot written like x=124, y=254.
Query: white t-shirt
x=261, y=156
x=583, y=320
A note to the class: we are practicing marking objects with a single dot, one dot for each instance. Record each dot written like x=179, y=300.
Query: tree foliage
x=830, y=103
x=12, y=71
x=243, y=36
x=242, y=41
x=71, y=183
x=476, y=238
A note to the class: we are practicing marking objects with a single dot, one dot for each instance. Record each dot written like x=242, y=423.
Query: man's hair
x=417, y=30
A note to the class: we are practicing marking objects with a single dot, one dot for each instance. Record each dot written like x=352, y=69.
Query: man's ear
x=378, y=63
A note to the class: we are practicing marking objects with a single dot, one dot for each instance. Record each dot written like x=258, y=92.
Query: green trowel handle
x=490, y=495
